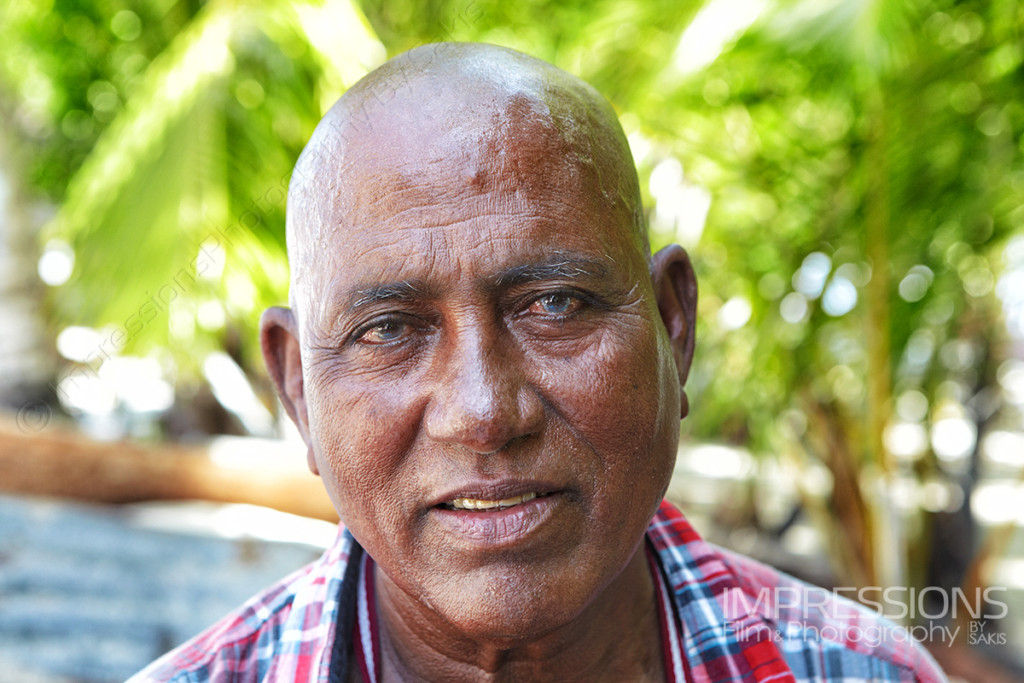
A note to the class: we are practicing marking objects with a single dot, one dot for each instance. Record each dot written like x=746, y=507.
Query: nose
x=481, y=399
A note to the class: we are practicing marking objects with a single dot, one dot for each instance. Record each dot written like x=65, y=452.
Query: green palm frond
x=183, y=194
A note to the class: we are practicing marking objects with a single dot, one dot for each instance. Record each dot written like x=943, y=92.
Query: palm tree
x=181, y=192
x=862, y=157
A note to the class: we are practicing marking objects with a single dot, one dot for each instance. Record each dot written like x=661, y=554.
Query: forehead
x=492, y=140
x=423, y=194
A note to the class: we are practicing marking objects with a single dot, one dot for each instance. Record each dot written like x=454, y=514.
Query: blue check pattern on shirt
x=744, y=621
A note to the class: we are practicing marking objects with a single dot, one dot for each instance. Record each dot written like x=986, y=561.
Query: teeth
x=477, y=504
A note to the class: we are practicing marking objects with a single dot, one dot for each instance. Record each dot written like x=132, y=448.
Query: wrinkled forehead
x=518, y=149
x=413, y=134
x=511, y=124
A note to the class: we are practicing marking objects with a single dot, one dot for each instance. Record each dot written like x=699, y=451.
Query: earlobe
x=675, y=287
x=279, y=340
x=311, y=460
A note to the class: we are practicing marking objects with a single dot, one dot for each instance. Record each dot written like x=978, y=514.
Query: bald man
x=487, y=367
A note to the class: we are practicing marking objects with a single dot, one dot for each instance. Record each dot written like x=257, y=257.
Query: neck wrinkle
x=617, y=637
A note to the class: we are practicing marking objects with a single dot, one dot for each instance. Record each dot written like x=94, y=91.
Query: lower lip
x=499, y=528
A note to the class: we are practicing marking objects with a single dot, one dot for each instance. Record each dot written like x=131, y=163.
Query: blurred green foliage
x=162, y=127
x=859, y=164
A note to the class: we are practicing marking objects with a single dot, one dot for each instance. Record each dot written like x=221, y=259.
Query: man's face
x=489, y=391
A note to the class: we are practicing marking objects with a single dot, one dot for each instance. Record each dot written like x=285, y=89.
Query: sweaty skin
x=475, y=319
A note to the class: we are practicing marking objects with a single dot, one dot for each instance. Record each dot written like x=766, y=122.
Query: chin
x=515, y=607
x=507, y=622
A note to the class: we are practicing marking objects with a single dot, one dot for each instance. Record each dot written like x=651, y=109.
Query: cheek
x=361, y=429
x=611, y=391
x=616, y=396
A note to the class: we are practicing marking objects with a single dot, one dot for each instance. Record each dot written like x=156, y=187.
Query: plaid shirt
x=735, y=620
x=744, y=621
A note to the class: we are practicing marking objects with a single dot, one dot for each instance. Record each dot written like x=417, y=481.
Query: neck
x=615, y=638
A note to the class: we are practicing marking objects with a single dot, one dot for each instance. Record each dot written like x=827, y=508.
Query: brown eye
x=384, y=332
x=556, y=304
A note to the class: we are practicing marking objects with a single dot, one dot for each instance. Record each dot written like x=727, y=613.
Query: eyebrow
x=405, y=290
x=563, y=268
x=412, y=290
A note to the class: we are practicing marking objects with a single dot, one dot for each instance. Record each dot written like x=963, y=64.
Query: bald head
x=456, y=118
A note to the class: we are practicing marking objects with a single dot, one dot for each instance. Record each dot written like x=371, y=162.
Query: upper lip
x=495, y=490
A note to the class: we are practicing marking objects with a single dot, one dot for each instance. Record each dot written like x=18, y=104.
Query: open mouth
x=478, y=505
x=489, y=517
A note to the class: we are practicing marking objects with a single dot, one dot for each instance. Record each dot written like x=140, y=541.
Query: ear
x=675, y=287
x=279, y=339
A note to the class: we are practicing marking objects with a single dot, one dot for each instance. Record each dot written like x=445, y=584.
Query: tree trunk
x=27, y=360
x=66, y=465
